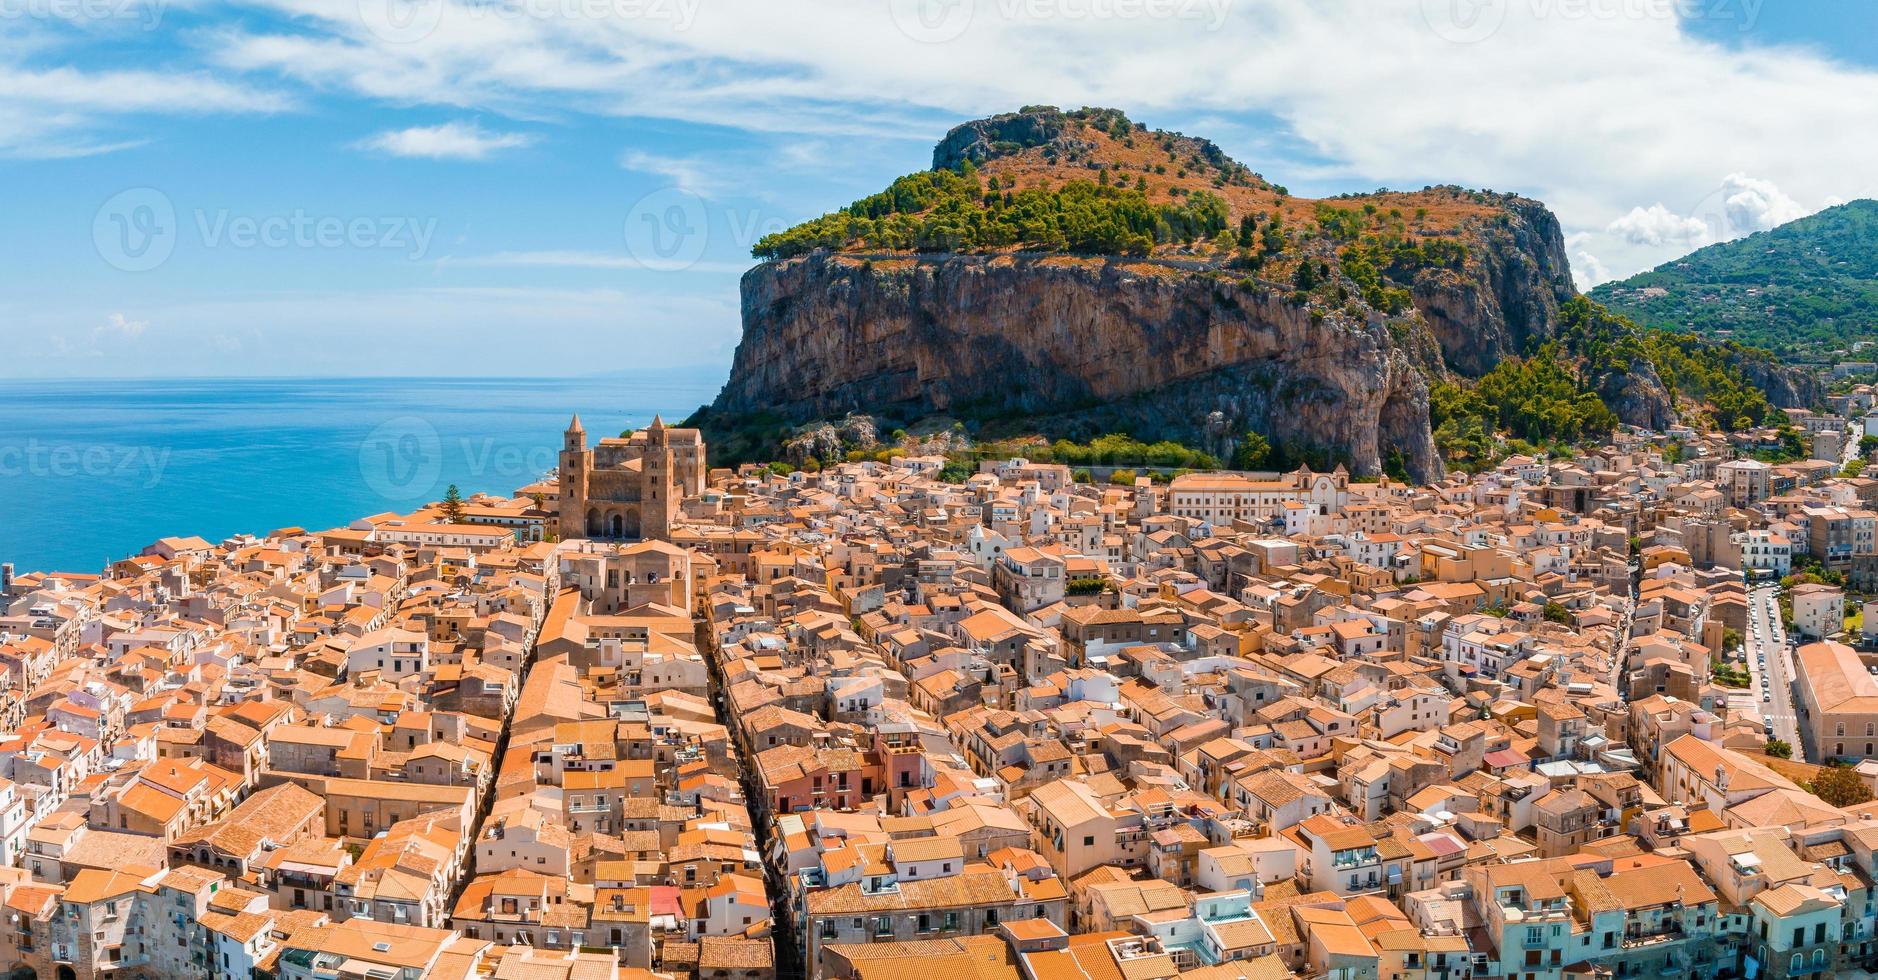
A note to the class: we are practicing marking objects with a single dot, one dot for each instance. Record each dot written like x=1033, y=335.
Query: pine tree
x=453, y=505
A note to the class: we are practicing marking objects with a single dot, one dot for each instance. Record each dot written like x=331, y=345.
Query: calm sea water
x=94, y=470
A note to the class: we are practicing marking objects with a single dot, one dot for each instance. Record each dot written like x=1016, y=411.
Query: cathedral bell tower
x=658, y=503
x=576, y=461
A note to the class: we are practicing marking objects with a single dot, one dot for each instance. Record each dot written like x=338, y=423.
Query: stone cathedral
x=628, y=489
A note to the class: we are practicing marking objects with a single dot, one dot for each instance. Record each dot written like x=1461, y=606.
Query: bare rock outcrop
x=1081, y=346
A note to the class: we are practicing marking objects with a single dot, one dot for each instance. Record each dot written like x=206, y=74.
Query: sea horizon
x=93, y=470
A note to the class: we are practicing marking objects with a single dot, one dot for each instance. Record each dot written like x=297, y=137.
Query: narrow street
x=788, y=955
x=487, y=800
x=1767, y=638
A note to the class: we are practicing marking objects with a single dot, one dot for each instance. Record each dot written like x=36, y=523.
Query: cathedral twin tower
x=628, y=488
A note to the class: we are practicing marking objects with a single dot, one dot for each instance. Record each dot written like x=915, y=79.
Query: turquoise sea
x=94, y=470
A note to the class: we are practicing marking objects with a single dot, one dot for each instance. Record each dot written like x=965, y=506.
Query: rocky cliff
x=1078, y=346
x=1196, y=336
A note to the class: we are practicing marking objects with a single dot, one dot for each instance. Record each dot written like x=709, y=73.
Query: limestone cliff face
x=1638, y=396
x=1508, y=295
x=1784, y=386
x=1081, y=346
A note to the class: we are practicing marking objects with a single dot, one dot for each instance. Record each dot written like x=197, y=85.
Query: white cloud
x=1751, y=204
x=1587, y=269
x=690, y=174
x=1739, y=205
x=119, y=325
x=117, y=335
x=446, y=141
x=56, y=113
x=135, y=91
x=1657, y=226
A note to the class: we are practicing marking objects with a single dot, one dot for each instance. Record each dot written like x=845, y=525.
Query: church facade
x=627, y=489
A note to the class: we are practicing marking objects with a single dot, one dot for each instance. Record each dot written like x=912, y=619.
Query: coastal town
x=1608, y=713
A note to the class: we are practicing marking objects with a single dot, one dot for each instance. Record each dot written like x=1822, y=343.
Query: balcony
x=1344, y=860
x=1640, y=940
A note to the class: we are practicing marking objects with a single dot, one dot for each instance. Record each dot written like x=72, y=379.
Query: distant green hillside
x=1807, y=290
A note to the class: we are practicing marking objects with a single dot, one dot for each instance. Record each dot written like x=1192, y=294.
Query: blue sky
x=402, y=187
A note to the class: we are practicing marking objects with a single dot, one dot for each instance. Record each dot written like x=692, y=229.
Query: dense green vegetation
x=1380, y=256
x=1728, y=674
x=952, y=211
x=963, y=211
x=1610, y=346
x=1558, y=395
x=1806, y=290
x=1114, y=449
x=1536, y=400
